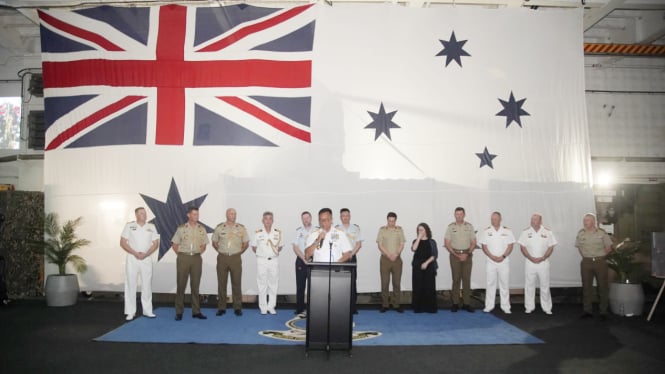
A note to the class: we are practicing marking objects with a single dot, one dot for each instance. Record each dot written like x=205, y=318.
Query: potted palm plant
x=626, y=294
x=58, y=246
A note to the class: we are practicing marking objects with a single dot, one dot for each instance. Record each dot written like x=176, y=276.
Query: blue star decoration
x=486, y=158
x=171, y=214
x=382, y=122
x=512, y=109
x=453, y=50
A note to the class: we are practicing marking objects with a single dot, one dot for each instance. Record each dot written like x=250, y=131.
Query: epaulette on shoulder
x=526, y=228
x=546, y=228
x=338, y=226
x=452, y=224
x=581, y=230
x=506, y=227
x=487, y=228
x=240, y=224
x=258, y=230
x=278, y=230
x=356, y=225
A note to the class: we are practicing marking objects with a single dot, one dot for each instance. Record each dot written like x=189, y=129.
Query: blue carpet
x=371, y=328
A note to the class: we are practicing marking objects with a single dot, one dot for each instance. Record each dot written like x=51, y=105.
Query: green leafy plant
x=622, y=260
x=60, y=242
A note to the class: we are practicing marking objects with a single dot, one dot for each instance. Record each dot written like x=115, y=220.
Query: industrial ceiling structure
x=611, y=27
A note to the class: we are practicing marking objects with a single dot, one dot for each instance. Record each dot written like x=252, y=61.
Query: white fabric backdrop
x=363, y=56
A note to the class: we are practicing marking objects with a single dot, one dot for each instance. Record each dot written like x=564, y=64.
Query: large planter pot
x=61, y=290
x=626, y=299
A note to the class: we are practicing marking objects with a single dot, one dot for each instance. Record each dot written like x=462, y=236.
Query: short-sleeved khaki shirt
x=391, y=238
x=230, y=238
x=592, y=243
x=190, y=239
x=460, y=236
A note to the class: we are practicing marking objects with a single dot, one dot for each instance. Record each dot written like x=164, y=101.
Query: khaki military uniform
x=392, y=240
x=191, y=242
x=230, y=239
x=592, y=245
x=461, y=237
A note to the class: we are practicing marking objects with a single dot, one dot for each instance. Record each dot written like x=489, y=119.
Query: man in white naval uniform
x=267, y=243
x=326, y=243
x=537, y=244
x=497, y=243
x=139, y=239
x=355, y=237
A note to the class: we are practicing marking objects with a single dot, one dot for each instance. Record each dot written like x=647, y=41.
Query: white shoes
x=548, y=312
x=263, y=312
x=487, y=310
x=272, y=311
x=149, y=315
x=528, y=311
x=129, y=317
x=506, y=311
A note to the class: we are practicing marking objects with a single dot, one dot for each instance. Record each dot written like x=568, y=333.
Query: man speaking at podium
x=326, y=243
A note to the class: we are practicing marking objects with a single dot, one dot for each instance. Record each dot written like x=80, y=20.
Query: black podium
x=329, y=315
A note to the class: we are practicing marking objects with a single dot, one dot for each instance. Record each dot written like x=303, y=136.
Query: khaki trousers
x=225, y=265
x=590, y=268
x=461, y=272
x=387, y=269
x=188, y=266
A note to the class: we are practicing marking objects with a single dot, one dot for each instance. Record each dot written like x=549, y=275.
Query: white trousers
x=497, y=272
x=267, y=279
x=133, y=268
x=532, y=274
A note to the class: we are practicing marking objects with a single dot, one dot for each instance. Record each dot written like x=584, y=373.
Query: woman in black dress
x=424, y=271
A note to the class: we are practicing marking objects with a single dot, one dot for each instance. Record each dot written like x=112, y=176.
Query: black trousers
x=354, y=286
x=301, y=284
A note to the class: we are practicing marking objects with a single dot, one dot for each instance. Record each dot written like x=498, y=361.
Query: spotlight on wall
x=604, y=179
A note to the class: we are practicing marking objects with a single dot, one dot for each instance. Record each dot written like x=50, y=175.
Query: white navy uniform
x=334, y=245
x=268, y=245
x=302, y=233
x=352, y=232
x=140, y=238
x=497, y=241
x=536, y=243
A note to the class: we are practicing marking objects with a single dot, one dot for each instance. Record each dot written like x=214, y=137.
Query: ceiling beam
x=658, y=34
x=593, y=16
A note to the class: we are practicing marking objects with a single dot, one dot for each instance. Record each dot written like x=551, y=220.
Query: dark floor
x=38, y=339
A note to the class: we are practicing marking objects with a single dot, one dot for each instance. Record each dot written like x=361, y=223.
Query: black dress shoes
x=468, y=308
x=586, y=316
x=399, y=310
x=383, y=309
x=178, y=317
x=454, y=308
x=199, y=316
x=220, y=312
x=237, y=312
